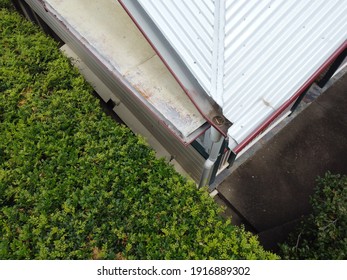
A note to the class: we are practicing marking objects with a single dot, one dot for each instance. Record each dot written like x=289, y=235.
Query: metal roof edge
x=207, y=107
x=44, y=7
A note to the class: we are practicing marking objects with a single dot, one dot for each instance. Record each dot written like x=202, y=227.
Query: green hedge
x=76, y=185
x=322, y=235
x=5, y=4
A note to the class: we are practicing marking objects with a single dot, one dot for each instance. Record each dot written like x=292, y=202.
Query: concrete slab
x=229, y=212
x=270, y=239
x=272, y=188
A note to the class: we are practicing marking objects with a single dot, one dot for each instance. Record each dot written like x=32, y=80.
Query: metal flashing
x=190, y=160
x=194, y=88
x=111, y=36
x=251, y=57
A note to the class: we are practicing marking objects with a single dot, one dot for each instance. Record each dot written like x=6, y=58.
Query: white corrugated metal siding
x=271, y=49
x=191, y=33
x=251, y=56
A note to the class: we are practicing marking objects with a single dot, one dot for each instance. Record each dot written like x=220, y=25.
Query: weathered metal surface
x=187, y=157
x=253, y=56
x=177, y=64
x=112, y=36
x=154, y=83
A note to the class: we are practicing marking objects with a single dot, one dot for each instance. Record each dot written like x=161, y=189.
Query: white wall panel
x=251, y=56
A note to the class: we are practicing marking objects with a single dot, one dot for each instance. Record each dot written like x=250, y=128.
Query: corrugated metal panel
x=206, y=105
x=262, y=51
x=191, y=33
x=271, y=49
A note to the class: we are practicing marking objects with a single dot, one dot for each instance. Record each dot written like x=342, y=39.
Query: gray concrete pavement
x=270, y=191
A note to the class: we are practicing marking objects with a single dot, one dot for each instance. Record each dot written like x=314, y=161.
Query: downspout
x=217, y=141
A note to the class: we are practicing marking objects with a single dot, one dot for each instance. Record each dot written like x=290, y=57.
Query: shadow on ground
x=270, y=191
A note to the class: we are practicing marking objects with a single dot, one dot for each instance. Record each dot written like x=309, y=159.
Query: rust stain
x=142, y=91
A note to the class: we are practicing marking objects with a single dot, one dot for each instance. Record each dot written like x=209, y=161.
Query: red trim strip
x=280, y=110
x=189, y=94
x=264, y=125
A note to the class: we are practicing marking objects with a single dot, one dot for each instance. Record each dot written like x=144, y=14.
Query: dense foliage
x=5, y=4
x=323, y=235
x=76, y=185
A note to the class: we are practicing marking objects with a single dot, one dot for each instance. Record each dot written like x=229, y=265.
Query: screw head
x=218, y=120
